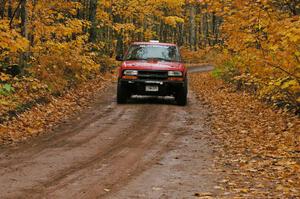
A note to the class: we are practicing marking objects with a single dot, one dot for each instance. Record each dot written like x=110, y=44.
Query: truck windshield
x=147, y=52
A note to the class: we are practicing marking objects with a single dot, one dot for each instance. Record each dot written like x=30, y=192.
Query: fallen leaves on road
x=42, y=118
x=258, y=147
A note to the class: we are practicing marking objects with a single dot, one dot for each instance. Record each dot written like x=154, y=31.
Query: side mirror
x=119, y=58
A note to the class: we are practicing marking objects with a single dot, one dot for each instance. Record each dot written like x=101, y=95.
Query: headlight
x=175, y=73
x=130, y=72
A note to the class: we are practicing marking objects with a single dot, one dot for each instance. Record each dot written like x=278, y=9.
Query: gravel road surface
x=148, y=148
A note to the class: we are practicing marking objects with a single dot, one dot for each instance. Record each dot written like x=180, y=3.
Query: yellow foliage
x=173, y=20
x=265, y=41
x=11, y=42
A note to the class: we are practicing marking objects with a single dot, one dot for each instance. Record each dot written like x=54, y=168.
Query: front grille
x=154, y=75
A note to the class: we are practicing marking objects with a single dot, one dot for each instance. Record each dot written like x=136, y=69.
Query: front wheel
x=181, y=95
x=181, y=98
x=122, y=94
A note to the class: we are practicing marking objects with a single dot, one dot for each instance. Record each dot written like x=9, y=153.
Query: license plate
x=152, y=88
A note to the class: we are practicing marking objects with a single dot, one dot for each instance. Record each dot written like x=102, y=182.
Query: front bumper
x=165, y=87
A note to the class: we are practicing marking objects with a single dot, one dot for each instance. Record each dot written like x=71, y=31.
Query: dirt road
x=148, y=148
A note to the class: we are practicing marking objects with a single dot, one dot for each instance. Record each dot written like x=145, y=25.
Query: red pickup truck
x=152, y=68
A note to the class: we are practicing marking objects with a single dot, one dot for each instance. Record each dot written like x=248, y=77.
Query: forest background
x=47, y=47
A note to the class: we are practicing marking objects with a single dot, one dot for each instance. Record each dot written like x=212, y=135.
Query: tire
x=122, y=94
x=181, y=95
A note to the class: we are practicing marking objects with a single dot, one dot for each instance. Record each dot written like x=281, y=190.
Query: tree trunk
x=9, y=10
x=205, y=29
x=23, y=12
x=24, y=31
x=181, y=35
x=2, y=8
x=33, y=18
x=92, y=18
x=192, y=23
x=118, y=35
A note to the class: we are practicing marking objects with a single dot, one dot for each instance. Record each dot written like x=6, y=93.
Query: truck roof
x=153, y=43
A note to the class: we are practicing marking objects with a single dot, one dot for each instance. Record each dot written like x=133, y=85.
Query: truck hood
x=152, y=65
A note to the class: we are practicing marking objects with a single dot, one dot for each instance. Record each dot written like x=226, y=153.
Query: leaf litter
x=44, y=117
x=258, y=146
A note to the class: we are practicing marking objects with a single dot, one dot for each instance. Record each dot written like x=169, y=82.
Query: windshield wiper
x=161, y=59
x=135, y=59
x=151, y=58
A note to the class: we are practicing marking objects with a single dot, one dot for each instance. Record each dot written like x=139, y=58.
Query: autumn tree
x=62, y=42
x=263, y=53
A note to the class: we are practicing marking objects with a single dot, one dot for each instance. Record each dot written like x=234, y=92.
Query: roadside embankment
x=259, y=147
x=42, y=117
